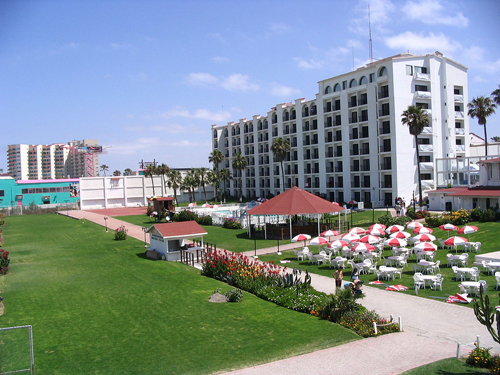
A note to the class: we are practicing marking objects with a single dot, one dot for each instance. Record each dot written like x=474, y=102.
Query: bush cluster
x=231, y=224
x=204, y=220
x=362, y=323
x=388, y=220
x=479, y=357
x=459, y=217
x=121, y=233
x=4, y=261
x=234, y=295
x=186, y=216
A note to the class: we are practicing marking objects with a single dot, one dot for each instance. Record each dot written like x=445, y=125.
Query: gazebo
x=295, y=201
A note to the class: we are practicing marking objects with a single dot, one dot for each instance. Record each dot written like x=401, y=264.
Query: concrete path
x=432, y=328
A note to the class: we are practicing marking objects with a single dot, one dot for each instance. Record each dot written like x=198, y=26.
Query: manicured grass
x=487, y=234
x=446, y=366
x=98, y=306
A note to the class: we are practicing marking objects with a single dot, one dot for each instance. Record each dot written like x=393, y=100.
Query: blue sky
x=149, y=78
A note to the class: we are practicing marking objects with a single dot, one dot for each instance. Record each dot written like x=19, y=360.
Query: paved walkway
x=431, y=328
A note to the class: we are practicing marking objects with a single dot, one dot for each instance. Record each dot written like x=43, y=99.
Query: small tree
x=280, y=148
x=104, y=169
x=117, y=173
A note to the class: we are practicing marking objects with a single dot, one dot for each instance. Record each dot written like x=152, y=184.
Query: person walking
x=338, y=275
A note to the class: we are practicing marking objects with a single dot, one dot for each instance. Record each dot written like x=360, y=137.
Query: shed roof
x=183, y=229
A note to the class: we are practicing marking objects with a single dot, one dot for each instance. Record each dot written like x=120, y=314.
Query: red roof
x=466, y=192
x=495, y=160
x=295, y=201
x=180, y=229
x=163, y=199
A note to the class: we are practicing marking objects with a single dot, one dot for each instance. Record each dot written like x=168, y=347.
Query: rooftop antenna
x=370, y=32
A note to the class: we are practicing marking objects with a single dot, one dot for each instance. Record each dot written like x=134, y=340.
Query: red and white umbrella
x=205, y=205
x=375, y=232
x=335, y=203
x=363, y=247
x=424, y=237
x=425, y=246
x=192, y=205
x=215, y=206
x=402, y=235
x=449, y=227
x=468, y=229
x=395, y=242
x=329, y=233
x=357, y=230
x=370, y=239
x=301, y=237
x=351, y=237
x=422, y=230
x=414, y=225
x=397, y=288
x=339, y=244
x=455, y=241
x=394, y=228
x=377, y=226
x=318, y=241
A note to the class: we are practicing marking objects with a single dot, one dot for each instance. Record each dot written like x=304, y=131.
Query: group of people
x=400, y=206
x=356, y=284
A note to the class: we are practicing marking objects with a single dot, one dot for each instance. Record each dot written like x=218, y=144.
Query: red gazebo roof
x=183, y=229
x=295, y=201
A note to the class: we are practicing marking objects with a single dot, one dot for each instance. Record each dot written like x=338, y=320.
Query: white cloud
x=200, y=114
x=202, y=79
x=146, y=144
x=380, y=11
x=432, y=12
x=238, y=82
x=283, y=91
x=309, y=64
x=422, y=43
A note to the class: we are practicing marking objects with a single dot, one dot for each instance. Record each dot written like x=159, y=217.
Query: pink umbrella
x=424, y=237
x=215, y=206
x=301, y=237
x=425, y=246
x=329, y=233
x=335, y=203
x=402, y=235
x=395, y=242
x=455, y=241
x=318, y=241
x=422, y=230
x=378, y=226
x=375, y=232
x=363, y=247
x=370, y=239
x=414, y=225
x=205, y=205
x=467, y=230
x=394, y=228
x=339, y=243
x=448, y=226
x=351, y=237
x=357, y=230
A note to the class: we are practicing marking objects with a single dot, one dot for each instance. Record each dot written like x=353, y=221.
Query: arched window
x=313, y=110
x=215, y=134
x=353, y=83
x=328, y=90
x=382, y=72
x=336, y=87
x=306, y=111
x=286, y=116
x=363, y=81
x=246, y=128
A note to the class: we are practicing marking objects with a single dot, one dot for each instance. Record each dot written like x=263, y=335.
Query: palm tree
x=239, y=163
x=174, y=182
x=201, y=174
x=117, y=173
x=481, y=108
x=416, y=119
x=104, y=168
x=496, y=138
x=190, y=183
x=495, y=95
x=216, y=157
x=163, y=170
x=150, y=171
x=280, y=149
x=225, y=176
x=128, y=172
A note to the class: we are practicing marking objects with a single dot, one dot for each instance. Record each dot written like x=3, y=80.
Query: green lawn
x=446, y=366
x=486, y=234
x=98, y=306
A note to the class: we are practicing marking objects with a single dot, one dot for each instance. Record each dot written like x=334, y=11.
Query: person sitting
x=356, y=286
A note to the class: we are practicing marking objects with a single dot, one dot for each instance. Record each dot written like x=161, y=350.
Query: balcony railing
x=422, y=76
x=459, y=114
x=459, y=131
x=422, y=94
x=458, y=98
x=425, y=148
x=460, y=148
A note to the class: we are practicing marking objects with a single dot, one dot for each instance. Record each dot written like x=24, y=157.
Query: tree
x=104, y=168
x=128, y=172
x=174, y=182
x=117, y=173
x=239, y=164
x=481, y=108
x=416, y=119
x=189, y=183
x=201, y=174
x=495, y=139
x=216, y=157
x=225, y=176
x=163, y=171
x=280, y=149
x=495, y=95
x=486, y=314
x=150, y=171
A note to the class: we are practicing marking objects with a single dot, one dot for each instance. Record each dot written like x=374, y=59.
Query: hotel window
x=409, y=70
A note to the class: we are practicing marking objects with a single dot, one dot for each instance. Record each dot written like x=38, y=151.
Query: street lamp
x=145, y=230
x=106, y=222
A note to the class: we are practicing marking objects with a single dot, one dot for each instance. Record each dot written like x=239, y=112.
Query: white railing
x=459, y=114
x=425, y=147
x=459, y=98
x=423, y=94
x=427, y=130
x=423, y=76
x=459, y=131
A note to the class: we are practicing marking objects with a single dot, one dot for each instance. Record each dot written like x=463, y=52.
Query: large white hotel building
x=349, y=143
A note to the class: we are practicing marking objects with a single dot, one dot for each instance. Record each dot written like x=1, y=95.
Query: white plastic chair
x=497, y=278
x=399, y=271
x=436, y=267
x=438, y=282
x=299, y=254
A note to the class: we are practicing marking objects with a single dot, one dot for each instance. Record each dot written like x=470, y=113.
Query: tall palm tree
x=117, y=173
x=225, y=176
x=416, y=119
x=239, y=163
x=280, y=149
x=495, y=95
x=216, y=157
x=201, y=174
x=150, y=171
x=174, y=182
x=104, y=168
x=127, y=172
x=163, y=171
x=481, y=108
x=190, y=183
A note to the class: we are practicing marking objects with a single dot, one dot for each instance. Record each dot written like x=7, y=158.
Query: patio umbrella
x=425, y=246
x=335, y=203
x=414, y=225
x=363, y=247
x=375, y=232
x=339, y=244
x=215, y=206
x=468, y=229
x=394, y=228
x=402, y=235
x=424, y=237
x=318, y=241
x=455, y=241
x=192, y=205
x=448, y=226
x=329, y=233
x=351, y=237
x=378, y=226
x=422, y=230
x=370, y=239
x=357, y=230
x=395, y=242
x=205, y=205
x=301, y=237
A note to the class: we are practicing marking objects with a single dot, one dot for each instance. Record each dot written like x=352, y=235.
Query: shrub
x=422, y=214
x=434, y=221
x=479, y=357
x=234, y=295
x=488, y=215
x=362, y=323
x=231, y=224
x=389, y=220
x=121, y=233
x=338, y=304
x=459, y=217
x=204, y=220
x=476, y=214
x=185, y=216
x=495, y=365
x=4, y=261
